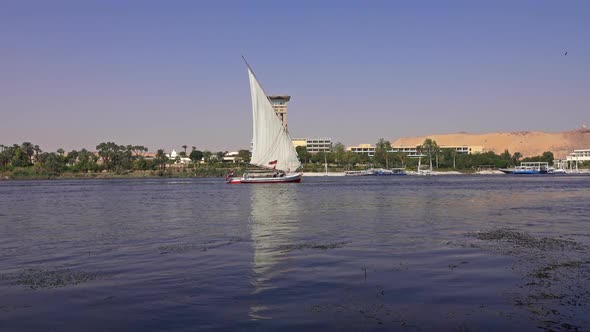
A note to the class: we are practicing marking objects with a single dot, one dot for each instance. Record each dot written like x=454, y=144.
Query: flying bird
x=565, y=53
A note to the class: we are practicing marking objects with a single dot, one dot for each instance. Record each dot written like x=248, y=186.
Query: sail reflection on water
x=273, y=222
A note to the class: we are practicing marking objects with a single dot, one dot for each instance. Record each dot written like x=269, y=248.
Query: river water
x=459, y=253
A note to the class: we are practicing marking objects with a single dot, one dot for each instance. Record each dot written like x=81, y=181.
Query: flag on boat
x=274, y=162
x=229, y=175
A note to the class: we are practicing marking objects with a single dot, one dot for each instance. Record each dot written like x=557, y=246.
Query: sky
x=168, y=73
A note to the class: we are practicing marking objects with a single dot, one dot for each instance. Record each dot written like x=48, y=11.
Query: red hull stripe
x=240, y=182
x=292, y=179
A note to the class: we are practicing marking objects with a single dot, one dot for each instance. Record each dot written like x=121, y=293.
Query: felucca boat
x=272, y=150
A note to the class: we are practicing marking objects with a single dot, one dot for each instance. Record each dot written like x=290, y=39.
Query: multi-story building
x=579, y=155
x=412, y=151
x=314, y=145
x=461, y=149
x=362, y=148
x=279, y=103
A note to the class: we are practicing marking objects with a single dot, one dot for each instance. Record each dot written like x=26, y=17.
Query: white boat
x=376, y=172
x=272, y=149
x=556, y=171
x=357, y=173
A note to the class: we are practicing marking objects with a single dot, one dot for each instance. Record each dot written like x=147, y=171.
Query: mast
x=272, y=147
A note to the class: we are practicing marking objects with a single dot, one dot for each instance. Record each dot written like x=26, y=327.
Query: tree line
x=112, y=157
x=434, y=157
x=109, y=156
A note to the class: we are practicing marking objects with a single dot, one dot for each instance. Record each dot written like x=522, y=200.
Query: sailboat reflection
x=273, y=221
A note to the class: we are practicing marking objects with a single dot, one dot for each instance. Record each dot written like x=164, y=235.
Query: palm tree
x=161, y=158
x=516, y=157
x=184, y=147
x=37, y=150
x=28, y=149
x=207, y=155
x=431, y=148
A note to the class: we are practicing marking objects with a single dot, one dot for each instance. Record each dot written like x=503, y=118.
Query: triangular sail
x=271, y=144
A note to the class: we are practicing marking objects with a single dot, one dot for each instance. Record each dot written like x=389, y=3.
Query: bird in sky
x=565, y=53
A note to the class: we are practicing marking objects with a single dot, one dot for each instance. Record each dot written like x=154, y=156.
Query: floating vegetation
x=454, y=266
x=185, y=247
x=36, y=278
x=556, y=276
x=313, y=245
x=519, y=239
x=9, y=308
x=376, y=313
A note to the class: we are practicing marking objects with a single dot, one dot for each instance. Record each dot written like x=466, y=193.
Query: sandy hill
x=529, y=143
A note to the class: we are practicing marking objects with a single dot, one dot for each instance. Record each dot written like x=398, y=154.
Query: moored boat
x=528, y=168
x=376, y=172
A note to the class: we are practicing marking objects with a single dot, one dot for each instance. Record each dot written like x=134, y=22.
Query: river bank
x=40, y=174
x=198, y=173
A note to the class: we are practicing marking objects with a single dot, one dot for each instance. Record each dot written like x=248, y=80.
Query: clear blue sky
x=167, y=73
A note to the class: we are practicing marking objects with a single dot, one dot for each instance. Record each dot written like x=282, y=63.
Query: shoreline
x=176, y=175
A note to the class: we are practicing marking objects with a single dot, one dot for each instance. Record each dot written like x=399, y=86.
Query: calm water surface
x=409, y=253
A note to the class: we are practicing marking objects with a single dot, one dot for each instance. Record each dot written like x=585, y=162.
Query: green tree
x=302, y=154
x=37, y=151
x=196, y=156
x=547, y=156
x=72, y=157
x=86, y=161
x=161, y=159
x=339, y=150
x=53, y=163
x=506, y=155
x=29, y=150
x=207, y=156
x=382, y=149
x=516, y=157
x=430, y=148
x=19, y=157
x=220, y=155
x=244, y=156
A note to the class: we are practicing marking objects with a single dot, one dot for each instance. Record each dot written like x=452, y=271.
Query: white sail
x=271, y=144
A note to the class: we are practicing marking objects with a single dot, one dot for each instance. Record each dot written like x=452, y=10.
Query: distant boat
x=376, y=172
x=357, y=173
x=272, y=149
x=528, y=168
x=388, y=172
x=557, y=171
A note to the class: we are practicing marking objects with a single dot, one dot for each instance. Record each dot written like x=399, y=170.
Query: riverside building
x=367, y=149
x=279, y=103
x=412, y=152
x=314, y=145
x=460, y=149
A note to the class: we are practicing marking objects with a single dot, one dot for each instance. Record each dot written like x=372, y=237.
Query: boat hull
x=520, y=171
x=375, y=172
x=294, y=178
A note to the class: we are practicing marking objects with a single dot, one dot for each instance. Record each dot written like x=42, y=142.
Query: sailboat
x=272, y=149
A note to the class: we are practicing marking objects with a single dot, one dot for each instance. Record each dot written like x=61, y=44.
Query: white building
x=181, y=160
x=232, y=157
x=362, y=148
x=314, y=145
x=460, y=149
x=579, y=155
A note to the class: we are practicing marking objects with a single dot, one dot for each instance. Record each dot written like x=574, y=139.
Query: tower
x=279, y=103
